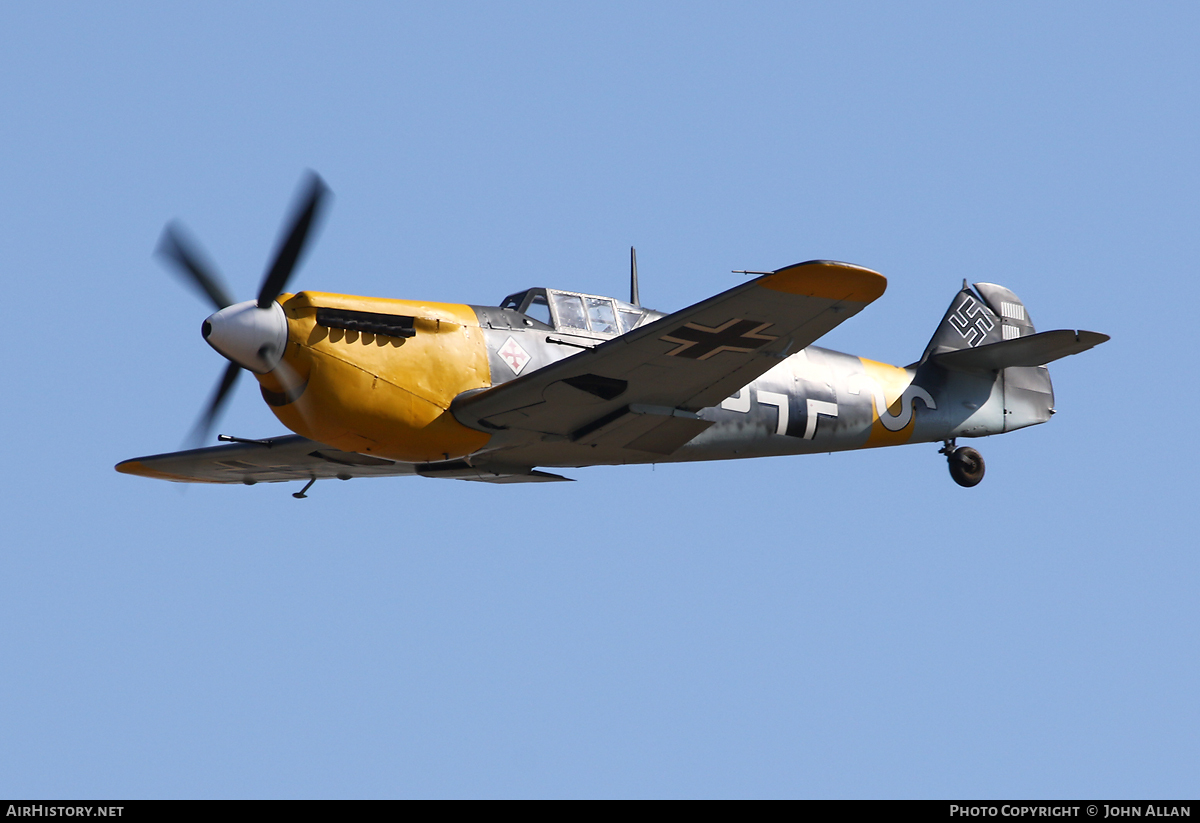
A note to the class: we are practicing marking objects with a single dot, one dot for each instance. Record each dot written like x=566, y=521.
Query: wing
x=643, y=389
x=297, y=458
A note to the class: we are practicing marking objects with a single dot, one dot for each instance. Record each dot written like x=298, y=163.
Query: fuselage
x=380, y=377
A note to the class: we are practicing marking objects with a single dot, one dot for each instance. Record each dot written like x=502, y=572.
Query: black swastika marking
x=971, y=320
x=697, y=342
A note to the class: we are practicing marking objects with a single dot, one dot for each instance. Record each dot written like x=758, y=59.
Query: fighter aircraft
x=553, y=378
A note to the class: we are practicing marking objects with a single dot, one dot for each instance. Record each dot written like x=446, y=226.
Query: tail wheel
x=966, y=466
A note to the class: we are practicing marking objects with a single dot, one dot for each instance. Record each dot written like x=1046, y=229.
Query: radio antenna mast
x=633, y=281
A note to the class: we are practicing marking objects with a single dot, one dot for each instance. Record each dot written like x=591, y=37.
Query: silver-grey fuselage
x=816, y=400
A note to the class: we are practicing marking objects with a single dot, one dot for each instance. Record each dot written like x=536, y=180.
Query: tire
x=966, y=466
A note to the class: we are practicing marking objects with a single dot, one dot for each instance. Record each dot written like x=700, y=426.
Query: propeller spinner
x=251, y=335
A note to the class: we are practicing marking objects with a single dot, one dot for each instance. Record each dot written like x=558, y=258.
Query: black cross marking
x=698, y=342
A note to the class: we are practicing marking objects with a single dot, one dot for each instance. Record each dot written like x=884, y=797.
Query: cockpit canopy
x=572, y=311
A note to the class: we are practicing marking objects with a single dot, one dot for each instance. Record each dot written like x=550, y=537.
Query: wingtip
x=829, y=279
x=130, y=467
x=137, y=467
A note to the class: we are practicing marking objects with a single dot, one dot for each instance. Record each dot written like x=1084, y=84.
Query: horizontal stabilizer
x=1034, y=350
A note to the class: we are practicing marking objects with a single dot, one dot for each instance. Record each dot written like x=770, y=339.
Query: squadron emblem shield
x=513, y=355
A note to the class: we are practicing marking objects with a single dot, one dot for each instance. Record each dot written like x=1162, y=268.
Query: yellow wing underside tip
x=828, y=279
x=141, y=470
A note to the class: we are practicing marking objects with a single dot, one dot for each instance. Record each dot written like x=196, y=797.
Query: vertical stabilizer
x=968, y=323
x=992, y=314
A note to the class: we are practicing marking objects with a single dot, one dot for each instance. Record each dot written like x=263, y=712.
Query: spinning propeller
x=250, y=335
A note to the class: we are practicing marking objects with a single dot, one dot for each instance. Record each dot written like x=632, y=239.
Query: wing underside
x=281, y=459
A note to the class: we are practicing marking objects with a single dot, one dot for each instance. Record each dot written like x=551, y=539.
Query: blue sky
x=852, y=625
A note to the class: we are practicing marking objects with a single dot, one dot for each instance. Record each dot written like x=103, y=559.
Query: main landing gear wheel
x=966, y=466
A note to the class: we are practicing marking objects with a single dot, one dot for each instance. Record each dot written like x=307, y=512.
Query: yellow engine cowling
x=377, y=393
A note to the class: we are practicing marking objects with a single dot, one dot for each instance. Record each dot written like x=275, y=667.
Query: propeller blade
x=205, y=423
x=292, y=247
x=175, y=246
